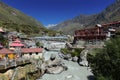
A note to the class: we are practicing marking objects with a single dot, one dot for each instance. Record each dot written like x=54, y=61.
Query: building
x=16, y=44
x=97, y=33
x=32, y=53
x=9, y=58
x=6, y=53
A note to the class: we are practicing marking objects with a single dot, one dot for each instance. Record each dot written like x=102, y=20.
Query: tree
x=3, y=40
x=38, y=44
x=106, y=64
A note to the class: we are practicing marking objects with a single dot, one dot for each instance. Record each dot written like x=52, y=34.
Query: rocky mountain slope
x=14, y=20
x=11, y=15
x=110, y=14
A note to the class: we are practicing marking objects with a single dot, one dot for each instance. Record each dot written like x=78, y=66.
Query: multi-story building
x=97, y=33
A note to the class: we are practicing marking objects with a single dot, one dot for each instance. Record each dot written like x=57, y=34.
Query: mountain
x=110, y=14
x=79, y=22
x=14, y=20
x=11, y=15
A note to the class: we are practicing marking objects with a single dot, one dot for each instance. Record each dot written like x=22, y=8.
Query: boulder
x=9, y=73
x=61, y=55
x=83, y=57
x=53, y=66
x=83, y=63
x=68, y=57
x=75, y=59
x=54, y=70
x=52, y=57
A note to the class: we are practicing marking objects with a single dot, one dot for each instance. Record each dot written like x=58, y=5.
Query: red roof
x=17, y=44
x=31, y=50
x=5, y=51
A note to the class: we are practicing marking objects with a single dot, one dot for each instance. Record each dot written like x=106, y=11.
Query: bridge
x=48, y=38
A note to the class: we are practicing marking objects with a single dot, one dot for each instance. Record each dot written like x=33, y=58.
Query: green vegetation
x=65, y=50
x=3, y=40
x=27, y=29
x=73, y=52
x=76, y=52
x=14, y=20
x=11, y=15
x=38, y=44
x=94, y=51
x=106, y=62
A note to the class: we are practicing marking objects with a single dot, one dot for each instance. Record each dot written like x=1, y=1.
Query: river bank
x=33, y=71
x=23, y=72
x=74, y=72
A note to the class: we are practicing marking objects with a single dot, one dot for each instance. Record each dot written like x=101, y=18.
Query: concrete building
x=97, y=34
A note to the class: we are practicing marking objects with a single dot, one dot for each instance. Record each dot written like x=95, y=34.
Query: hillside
x=13, y=19
x=11, y=15
x=79, y=22
x=110, y=14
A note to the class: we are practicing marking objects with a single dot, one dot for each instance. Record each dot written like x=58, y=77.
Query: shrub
x=74, y=52
x=106, y=63
x=65, y=51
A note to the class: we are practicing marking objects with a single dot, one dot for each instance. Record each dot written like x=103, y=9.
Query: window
x=30, y=53
x=36, y=53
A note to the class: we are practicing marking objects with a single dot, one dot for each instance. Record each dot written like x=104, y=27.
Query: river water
x=74, y=72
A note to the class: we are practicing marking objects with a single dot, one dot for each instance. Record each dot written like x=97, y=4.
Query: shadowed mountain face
x=110, y=14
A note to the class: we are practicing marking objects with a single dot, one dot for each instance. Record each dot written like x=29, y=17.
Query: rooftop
x=31, y=50
x=5, y=51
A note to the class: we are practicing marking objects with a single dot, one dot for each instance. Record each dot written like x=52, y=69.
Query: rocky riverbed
x=74, y=71
x=53, y=65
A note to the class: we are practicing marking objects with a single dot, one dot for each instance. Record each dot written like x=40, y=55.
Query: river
x=74, y=72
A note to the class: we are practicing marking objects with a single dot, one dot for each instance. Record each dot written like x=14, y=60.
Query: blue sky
x=56, y=11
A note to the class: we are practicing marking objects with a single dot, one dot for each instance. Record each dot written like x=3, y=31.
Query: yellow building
x=6, y=53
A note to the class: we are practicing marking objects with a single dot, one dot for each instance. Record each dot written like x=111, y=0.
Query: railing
x=8, y=63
